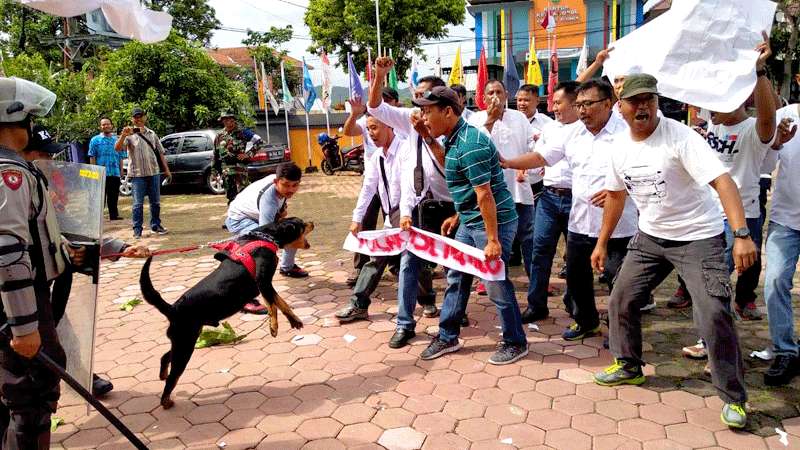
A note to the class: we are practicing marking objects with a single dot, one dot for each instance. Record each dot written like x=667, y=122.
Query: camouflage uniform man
x=32, y=255
x=233, y=149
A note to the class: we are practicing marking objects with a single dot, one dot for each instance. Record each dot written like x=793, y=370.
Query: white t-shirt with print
x=667, y=176
x=741, y=152
x=785, y=208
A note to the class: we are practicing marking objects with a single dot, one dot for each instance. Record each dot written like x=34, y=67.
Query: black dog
x=224, y=292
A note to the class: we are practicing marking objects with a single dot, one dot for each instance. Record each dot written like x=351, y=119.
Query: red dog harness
x=243, y=253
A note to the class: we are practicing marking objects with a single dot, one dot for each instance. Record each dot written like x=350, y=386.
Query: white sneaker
x=650, y=306
x=697, y=351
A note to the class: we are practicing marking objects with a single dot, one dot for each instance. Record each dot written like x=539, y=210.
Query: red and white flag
x=549, y=21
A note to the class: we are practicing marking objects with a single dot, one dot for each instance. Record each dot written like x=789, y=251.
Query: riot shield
x=77, y=194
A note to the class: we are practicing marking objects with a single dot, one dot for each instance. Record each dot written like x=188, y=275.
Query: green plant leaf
x=130, y=304
x=55, y=422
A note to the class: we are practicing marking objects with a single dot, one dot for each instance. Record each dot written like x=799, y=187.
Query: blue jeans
x=241, y=226
x=525, y=217
x=501, y=293
x=783, y=250
x=552, y=217
x=747, y=282
x=151, y=187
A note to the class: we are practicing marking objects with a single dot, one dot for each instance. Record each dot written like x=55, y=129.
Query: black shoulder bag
x=394, y=211
x=430, y=213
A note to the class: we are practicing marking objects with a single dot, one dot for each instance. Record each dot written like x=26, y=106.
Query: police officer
x=233, y=148
x=32, y=254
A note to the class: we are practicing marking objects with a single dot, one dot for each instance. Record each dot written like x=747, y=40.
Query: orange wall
x=570, y=18
x=299, y=145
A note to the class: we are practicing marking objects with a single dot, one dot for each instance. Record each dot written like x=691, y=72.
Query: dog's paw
x=273, y=330
x=167, y=403
x=295, y=323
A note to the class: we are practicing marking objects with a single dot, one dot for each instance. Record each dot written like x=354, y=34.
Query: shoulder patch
x=12, y=178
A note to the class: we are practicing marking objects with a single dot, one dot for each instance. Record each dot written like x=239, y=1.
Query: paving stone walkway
x=331, y=386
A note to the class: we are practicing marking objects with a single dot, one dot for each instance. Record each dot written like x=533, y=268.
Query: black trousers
x=369, y=222
x=29, y=392
x=580, y=278
x=112, y=196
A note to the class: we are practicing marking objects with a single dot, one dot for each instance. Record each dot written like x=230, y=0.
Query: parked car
x=190, y=158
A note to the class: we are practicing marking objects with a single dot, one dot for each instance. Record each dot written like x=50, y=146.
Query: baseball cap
x=439, y=95
x=42, y=141
x=20, y=98
x=639, y=83
x=226, y=113
x=390, y=92
x=138, y=112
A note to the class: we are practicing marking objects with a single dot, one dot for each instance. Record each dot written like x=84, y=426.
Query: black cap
x=390, y=92
x=439, y=95
x=226, y=113
x=137, y=112
x=42, y=141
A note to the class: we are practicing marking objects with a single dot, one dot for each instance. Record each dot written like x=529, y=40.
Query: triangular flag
x=552, y=80
x=273, y=102
x=483, y=78
x=259, y=86
x=413, y=80
x=456, y=72
x=369, y=65
x=356, y=91
x=287, y=96
x=309, y=93
x=534, y=75
x=583, y=59
x=510, y=74
x=549, y=21
x=326, y=82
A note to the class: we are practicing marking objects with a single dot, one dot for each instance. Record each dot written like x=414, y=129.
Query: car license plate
x=276, y=154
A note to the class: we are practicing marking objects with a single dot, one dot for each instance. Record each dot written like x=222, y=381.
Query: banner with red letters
x=428, y=246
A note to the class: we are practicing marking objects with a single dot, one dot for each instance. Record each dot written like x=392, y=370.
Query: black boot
x=782, y=370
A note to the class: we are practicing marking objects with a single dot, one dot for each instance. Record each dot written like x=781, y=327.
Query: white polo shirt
x=374, y=181
x=588, y=156
x=558, y=175
x=785, y=209
x=538, y=123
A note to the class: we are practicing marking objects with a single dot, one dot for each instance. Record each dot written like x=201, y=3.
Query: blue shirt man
x=102, y=153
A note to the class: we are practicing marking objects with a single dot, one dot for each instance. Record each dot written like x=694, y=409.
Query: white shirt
x=245, y=205
x=467, y=113
x=369, y=146
x=741, y=152
x=667, y=176
x=510, y=135
x=558, y=175
x=400, y=120
x=538, y=122
x=785, y=209
x=588, y=156
x=373, y=181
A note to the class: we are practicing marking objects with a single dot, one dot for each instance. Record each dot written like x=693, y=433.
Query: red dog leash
x=168, y=251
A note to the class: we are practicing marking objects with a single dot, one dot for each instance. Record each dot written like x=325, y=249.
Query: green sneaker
x=733, y=415
x=576, y=332
x=617, y=374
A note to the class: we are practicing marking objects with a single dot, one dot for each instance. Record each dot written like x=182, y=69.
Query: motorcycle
x=336, y=160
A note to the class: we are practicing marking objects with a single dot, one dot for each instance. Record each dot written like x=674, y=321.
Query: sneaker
x=651, y=305
x=137, y=235
x=160, y=230
x=749, y=312
x=117, y=218
x=508, y=353
x=680, y=299
x=782, y=370
x=100, y=386
x=430, y=310
x=352, y=279
x=707, y=369
x=530, y=315
x=733, y=415
x=697, y=351
x=438, y=348
x=294, y=272
x=350, y=313
x=401, y=337
x=563, y=273
x=255, y=308
x=575, y=332
x=619, y=373
x=480, y=289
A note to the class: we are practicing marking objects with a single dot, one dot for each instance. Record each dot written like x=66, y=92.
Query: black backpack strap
x=386, y=186
x=419, y=172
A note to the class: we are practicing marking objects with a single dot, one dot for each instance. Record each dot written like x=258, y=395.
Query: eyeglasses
x=588, y=103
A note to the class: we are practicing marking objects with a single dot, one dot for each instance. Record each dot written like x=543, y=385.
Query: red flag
x=369, y=65
x=552, y=80
x=483, y=78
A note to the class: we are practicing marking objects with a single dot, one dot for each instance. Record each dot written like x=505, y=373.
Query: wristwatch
x=741, y=233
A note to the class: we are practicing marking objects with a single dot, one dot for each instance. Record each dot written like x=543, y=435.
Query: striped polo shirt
x=471, y=160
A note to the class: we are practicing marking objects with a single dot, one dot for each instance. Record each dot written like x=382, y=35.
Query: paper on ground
x=701, y=51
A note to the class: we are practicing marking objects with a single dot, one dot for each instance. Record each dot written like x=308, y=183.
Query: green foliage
x=342, y=26
x=38, y=27
x=130, y=304
x=224, y=334
x=55, y=422
x=194, y=20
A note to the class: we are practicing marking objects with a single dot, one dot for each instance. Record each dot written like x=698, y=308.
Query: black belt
x=561, y=192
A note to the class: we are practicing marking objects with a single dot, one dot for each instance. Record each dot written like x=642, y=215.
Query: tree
x=265, y=47
x=25, y=30
x=342, y=26
x=193, y=19
x=784, y=42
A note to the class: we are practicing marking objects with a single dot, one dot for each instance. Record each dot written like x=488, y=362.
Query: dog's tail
x=150, y=294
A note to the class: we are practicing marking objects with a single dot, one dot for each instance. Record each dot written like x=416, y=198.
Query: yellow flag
x=457, y=72
x=534, y=75
x=503, y=37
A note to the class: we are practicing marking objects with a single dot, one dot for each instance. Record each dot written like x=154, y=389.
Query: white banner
x=701, y=51
x=428, y=246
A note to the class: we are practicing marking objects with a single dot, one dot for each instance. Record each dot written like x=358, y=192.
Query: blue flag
x=309, y=94
x=510, y=75
x=356, y=91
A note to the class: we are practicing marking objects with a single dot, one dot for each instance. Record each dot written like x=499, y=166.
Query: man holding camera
x=146, y=163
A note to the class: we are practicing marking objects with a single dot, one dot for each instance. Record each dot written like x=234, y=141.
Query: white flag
x=583, y=59
x=273, y=102
x=326, y=82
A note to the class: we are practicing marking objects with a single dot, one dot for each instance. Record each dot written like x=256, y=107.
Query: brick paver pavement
x=331, y=386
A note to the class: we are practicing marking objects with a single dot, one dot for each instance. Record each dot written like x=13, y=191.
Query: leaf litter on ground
x=130, y=304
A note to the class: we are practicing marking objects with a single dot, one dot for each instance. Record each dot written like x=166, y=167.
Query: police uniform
x=31, y=256
x=228, y=145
